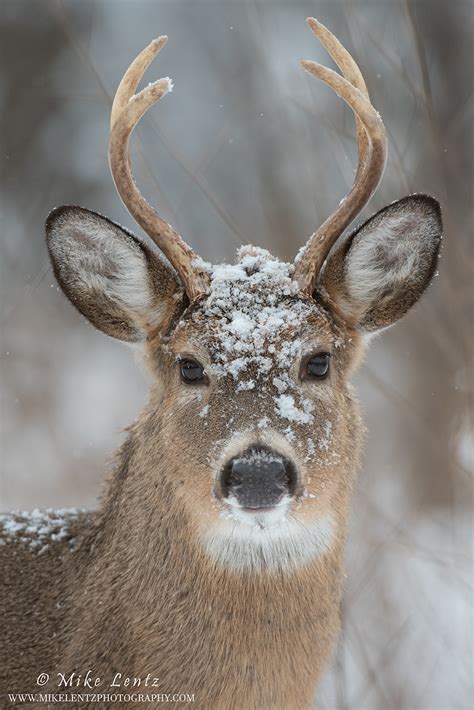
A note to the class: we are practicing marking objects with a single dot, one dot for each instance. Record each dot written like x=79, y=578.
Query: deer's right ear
x=112, y=278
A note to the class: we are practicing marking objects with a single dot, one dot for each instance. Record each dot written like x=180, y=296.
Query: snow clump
x=38, y=528
x=254, y=317
x=257, y=312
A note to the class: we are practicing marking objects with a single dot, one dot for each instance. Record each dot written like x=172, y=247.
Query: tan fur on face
x=226, y=420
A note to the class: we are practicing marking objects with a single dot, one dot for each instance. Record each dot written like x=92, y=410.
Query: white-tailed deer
x=214, y=562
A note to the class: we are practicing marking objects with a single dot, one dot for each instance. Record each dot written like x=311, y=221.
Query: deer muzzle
x=259, y=478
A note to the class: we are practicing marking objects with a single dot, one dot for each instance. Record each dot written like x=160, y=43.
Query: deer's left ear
x=380, y=270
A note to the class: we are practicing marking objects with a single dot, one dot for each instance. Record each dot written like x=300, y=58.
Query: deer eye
x=191, y=372
x=317, y=367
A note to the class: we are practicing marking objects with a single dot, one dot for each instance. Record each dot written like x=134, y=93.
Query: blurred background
x=250, y=149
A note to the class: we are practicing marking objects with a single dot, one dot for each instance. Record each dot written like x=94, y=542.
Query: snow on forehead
x=252, y=306
x=256, y=281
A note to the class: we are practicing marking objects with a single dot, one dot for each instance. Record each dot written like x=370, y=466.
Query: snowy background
x=250, y=149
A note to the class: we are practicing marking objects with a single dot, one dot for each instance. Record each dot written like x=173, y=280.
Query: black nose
x=258, y=478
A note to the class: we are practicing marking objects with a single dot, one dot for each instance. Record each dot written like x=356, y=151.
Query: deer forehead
x=254, y=318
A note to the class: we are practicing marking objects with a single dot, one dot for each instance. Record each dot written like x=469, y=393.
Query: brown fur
x=152, y=601
x=139, y=593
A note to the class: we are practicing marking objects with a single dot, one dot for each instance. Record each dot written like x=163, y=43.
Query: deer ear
x=114, y=280
x=380, y=271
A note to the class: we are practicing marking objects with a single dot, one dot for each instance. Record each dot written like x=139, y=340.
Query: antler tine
x=350, y=71
x=372, y=155
x=127, y=110
x=130, y=80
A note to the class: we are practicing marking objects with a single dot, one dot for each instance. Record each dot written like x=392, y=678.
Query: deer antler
x=372, y=147
x=127, y=110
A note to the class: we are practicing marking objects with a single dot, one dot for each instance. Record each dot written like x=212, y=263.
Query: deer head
x=251, y=418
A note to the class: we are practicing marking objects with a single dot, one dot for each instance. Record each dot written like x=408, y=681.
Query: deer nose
x=258, y=478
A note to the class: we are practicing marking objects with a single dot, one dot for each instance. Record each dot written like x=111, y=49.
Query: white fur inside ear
x=367, y=271
x=101, y=258
x=386, y=253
